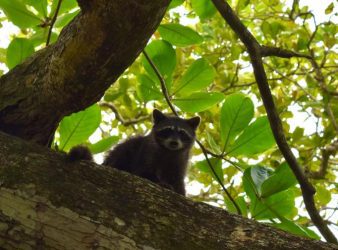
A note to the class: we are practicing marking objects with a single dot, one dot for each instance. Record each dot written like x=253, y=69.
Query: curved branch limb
x=254, y=50
x=37, y=94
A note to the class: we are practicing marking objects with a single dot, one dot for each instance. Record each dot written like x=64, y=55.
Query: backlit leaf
x=198, y=102
x=179, y=35
x=76, y=128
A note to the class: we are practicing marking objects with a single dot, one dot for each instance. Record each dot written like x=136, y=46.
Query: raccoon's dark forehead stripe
x=173, y=128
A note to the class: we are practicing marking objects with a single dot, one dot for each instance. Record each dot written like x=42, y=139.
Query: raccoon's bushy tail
x=80, y=152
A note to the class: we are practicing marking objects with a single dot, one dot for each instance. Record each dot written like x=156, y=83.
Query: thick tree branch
x=47, y=202
x=254, y=50
x=90, y=54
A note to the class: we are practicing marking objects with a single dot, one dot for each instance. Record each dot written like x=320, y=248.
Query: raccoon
x=162, y=156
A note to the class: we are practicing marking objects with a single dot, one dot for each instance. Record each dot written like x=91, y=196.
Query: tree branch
x=119, y=117
x=51, y=203
x=284, y=53
x=254, y=50
x=326, y=153
x=37, y=94
x=53, y=22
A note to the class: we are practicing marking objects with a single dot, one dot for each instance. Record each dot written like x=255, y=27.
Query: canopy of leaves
x=208, y=73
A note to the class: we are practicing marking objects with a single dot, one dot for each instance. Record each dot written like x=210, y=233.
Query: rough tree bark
x=90, y=54
x=47, y=202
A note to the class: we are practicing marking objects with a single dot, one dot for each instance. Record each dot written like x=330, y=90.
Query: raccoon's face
x=174, y=133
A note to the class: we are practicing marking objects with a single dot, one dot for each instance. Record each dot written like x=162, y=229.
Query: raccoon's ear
x=194, y=122
x=158, y=116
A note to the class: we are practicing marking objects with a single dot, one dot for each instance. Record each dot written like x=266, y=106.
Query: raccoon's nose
x=173, y=144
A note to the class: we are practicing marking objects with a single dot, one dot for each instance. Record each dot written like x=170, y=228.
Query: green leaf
x=179, y=35
x=40, y=6
x=256, y=138
x=275, y=206
x=203, y=8
x=198, y=102
x=329, y=9
x=240, y=201
x=76, y=128
x=253, y=178
x=64, y=19
x=163, y=56
x=236, y=113
x=212, y=143
x=103, y=145
x=280, y=180
x=18, y=14
x=291, y=227
x=215, y=163
x=198, y=76
x=3, y=55
x=149, y=88
x=65, y=6
x=18, y=50
x=323, y=196
x=175, y=3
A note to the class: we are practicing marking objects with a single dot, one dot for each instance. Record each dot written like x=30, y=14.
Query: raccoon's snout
x=173, y=144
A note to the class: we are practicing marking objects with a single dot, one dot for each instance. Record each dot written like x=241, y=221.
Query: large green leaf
x=198, y=76
x=236, y=113
x=203, y=8
x=198, y=102
x=278, y=205
x=76, y=128
x=215, y=163
x=103, y=145
x=179, y=35
x=275, y=206
x=256, y=138
x=17, y=13
x=163, y=56
x=291, y=227
x=149, y=88
x=18, y=50
x=280, y=180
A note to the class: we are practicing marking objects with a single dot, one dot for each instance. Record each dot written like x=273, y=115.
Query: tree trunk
x=47, y=202
x=68, y=76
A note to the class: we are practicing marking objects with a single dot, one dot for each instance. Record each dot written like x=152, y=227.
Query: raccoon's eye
x=164, y=133
x=184, y=135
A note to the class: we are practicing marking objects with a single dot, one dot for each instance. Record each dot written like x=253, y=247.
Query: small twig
x=162, y=81
x=53, y=22
x=120, y=118
x=283, y=53
x=204, y=151
x=326, y=153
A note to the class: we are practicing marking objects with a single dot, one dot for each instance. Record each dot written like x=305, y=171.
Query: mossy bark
x=47, y=202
